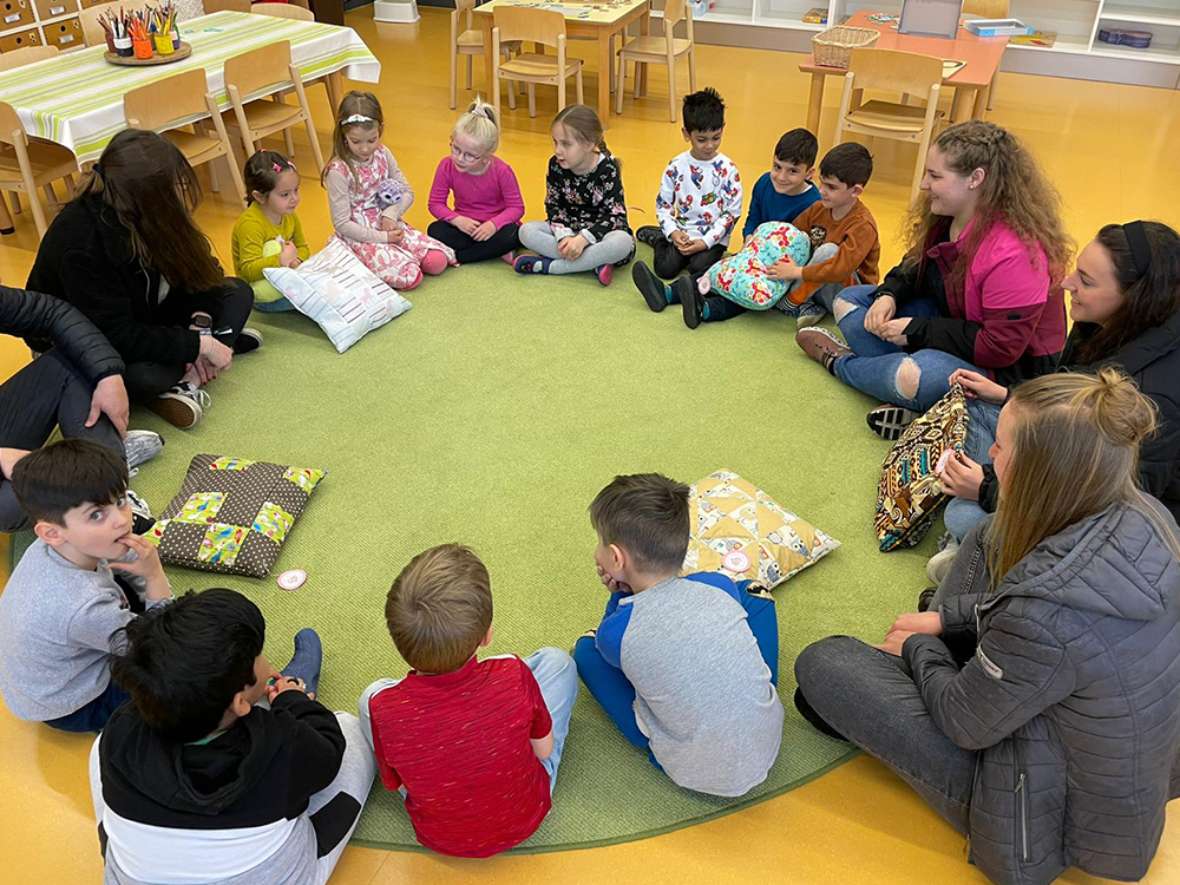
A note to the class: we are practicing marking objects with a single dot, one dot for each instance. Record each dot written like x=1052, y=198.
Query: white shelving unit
x=1077, y=52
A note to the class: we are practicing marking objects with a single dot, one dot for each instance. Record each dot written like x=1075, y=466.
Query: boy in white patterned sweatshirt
x=698, y=205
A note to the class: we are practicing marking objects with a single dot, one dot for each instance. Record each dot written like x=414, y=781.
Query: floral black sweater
x=590, y=204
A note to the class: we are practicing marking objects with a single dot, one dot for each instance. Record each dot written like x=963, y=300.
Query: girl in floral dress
x=368, y=195
x=587, y=218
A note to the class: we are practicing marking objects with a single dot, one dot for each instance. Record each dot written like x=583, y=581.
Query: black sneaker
x=925, y=598
x=651, y=287
x=889, y=422
x=649, y=234
x=248, y=341
x=692, y=302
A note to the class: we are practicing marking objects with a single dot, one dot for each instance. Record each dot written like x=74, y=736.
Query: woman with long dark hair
x=127, y=253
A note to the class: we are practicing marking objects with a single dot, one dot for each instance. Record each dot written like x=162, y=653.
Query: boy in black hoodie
x=194, y=781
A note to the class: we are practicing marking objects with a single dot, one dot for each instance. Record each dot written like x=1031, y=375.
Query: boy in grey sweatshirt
x=62, y=611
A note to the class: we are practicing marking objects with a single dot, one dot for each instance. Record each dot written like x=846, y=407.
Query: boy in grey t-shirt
x=62, y=611
x=686, y=667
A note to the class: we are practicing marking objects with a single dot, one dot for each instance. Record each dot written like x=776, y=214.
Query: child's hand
x=281, y=683
x=465, y=224
x=483, y=232
x=146, y=565
x=289, y=256
x=571, y=248
x=388, y=224
x=8, y=459
x=785, y=270
x=680, y=239
x=395, y=234
x=610, y=583
x=692, y=247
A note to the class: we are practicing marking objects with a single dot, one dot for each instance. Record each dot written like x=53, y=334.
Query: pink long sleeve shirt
x=493, y=196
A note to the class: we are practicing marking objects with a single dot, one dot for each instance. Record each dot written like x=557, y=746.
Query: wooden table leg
x=963, y=104
x=604, y=61
x=815, y=102
x=485, y=25
x=982, y=98
x=641, y=69
x=334, y=84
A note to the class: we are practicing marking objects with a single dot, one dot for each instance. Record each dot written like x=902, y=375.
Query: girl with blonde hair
x=1034, y=705
x=484, y=215
x=976, y=290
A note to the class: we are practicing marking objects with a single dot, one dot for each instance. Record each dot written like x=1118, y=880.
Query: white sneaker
x=182, y=406
x=140, y=446
x=940, y=563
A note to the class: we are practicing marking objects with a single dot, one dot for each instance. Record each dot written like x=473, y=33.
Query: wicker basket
x=833, y=47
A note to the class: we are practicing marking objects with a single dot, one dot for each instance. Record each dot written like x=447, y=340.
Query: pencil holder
x=141, y=48
x=110, y=41
x=163, y=44
x=123, y=47
x=175, y=37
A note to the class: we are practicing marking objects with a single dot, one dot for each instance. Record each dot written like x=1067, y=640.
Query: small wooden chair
x=253, y=81
x=303, y=14
x=889, y=70
x=988, y=9
x=15, y=58
x=92, y=32
x=663, y=50
x=532, y=26
x=466, y=40
x=32, y=165
x=167, y=106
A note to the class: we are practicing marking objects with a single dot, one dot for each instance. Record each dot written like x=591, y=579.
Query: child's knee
x=909, y=377
x=413, y=283
x=434, y=262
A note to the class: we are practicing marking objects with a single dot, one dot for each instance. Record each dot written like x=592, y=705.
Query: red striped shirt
x=459, y=743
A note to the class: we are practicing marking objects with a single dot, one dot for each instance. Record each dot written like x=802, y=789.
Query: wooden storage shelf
x=42, y=22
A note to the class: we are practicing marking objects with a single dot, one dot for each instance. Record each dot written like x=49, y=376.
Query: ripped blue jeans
x=874, y=364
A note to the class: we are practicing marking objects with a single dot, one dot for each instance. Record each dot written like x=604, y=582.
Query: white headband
x=356, y=118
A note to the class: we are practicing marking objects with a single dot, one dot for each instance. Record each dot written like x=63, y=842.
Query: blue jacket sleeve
x=754, y=216
x=609, y=638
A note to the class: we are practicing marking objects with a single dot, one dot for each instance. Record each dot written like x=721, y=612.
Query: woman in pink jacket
x=978, y=288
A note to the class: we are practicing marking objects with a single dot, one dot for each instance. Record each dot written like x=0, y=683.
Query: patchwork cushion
x=335, y=289
x=737, y=529
x=233, y=515
x=910, y=496
x=742, y=277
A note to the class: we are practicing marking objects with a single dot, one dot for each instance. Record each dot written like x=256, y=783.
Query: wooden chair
x=466, y=40
x=32, y=164
x=253, y=81
x=14, y=58
x=92, y=32
x=988, y=9
x=664, y=50
x=167, y=106
x=303, y=14
x=212, y=6
x=889, y=70
x=532, y=26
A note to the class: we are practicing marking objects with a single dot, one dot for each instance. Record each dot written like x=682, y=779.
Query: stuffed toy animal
x=389, y=193
x=742, y=277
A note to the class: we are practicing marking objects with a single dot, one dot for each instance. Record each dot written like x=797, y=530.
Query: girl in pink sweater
x=485, y=214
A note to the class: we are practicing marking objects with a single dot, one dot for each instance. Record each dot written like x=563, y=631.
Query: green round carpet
x=491, y=414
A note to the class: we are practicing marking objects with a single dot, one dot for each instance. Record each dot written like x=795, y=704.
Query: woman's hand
x=571, y=248
x=880, y=312
x=893, y=331
x=894, y=641
x=961, y=477
x=110, y=399
x=8, y=459
x=929, y=623
x=485, y=231
x=978, y=386
x=215, y=354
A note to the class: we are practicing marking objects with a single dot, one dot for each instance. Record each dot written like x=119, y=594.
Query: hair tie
x=279, y=167
x=1140, y=248
x=356, y=118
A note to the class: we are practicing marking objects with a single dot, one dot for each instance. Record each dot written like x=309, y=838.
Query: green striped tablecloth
x=76, y=99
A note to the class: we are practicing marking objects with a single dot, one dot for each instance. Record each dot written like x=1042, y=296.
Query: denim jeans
x=960, y=514
x=557, y=678
x=93, y=716
x=869, y=696
x=874, y=363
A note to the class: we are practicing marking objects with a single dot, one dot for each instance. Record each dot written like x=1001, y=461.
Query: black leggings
x=45, y=394
x=467, y=250
x=229, y=304
x=670, y=262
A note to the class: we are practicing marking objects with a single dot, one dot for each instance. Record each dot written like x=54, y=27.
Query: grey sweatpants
x=616, y=246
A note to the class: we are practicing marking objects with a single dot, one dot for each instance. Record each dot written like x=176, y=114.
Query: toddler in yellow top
x=268, y=233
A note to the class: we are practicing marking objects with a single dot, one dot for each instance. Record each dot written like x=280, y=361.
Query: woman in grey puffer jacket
x=1036, y=706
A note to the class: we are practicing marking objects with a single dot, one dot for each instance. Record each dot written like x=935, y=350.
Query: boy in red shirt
x=472, y=745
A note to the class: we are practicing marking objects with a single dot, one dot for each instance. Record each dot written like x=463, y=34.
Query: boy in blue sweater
x=786, y=190
x=685, y=667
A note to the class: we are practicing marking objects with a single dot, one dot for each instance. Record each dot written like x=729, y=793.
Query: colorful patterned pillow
x=232, y=515
x=909, y=496
x=737, y=529
x=742, y=277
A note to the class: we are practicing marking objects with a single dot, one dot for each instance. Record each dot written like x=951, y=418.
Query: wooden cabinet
x=65, y=34
x=19, y=40
x=41, y=22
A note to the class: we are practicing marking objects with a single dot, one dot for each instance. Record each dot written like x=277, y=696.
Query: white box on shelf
x=996, y=27
x=397, y=11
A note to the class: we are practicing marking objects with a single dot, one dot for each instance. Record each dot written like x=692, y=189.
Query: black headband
x=1140, y=249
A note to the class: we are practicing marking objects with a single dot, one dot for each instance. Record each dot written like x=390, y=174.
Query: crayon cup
x=141, y=48
x=123, y=46
x=110, y=42
x=163, y=44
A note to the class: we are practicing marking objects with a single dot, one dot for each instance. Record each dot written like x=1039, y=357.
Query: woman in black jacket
x=78, y=385
x=127, y=253
x=1125, y=304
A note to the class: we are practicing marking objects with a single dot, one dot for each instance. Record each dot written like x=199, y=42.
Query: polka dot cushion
x=233, y=515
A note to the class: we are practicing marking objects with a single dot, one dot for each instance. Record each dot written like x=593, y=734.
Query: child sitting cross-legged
x=472, y=745
x=63, y=607
x=686, y=667
x=220, y=769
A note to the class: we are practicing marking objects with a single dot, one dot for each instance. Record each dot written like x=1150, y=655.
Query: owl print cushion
x=743, y=279
x=233, y=515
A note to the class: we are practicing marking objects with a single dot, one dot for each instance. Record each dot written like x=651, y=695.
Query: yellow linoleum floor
x=1112, y=151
